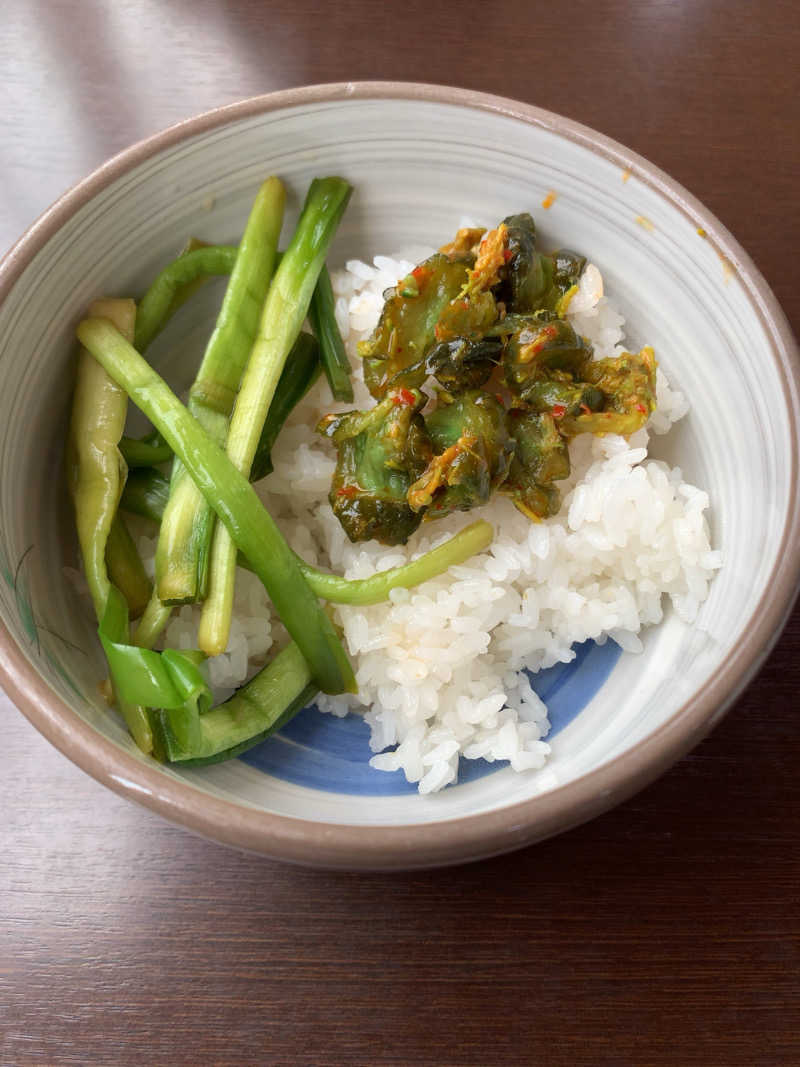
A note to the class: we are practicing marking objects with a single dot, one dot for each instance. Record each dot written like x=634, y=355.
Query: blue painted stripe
x=323, y=752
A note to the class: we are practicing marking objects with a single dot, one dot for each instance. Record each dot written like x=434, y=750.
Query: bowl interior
x=417, y=167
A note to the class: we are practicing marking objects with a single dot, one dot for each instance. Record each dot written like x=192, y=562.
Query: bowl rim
x=466, y=837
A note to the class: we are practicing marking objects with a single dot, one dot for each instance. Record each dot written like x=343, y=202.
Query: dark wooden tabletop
x=665, y=932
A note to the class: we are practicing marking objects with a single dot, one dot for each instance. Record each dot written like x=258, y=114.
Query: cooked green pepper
x=463, y=363
x=539, y=348
x=407, y=326
x=540, y=459
x=381, y=452
x=529, y=273
x=628, y=384
x=563, y=396
x=567, y=270
x=96, y=473
x=524, y=279
x=95, y=468
x=472, y=451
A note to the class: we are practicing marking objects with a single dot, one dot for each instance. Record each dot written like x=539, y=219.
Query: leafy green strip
x=159, y=301
x=149, y=451
x=299, y=373
x=145, y=496
x=334, y=356
x=255, y=711
x=186, y=728
x=170, y=680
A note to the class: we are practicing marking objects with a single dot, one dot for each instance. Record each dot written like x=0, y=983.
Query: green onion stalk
x=147, y=451
x=173, y=286
x=185, y=536
x=323, y=322
x=163, y=697
x=146, y=494
x=284, y=310
x=229, y=493
x=176, y=283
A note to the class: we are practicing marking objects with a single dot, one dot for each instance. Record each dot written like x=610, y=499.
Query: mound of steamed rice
x=441, y=668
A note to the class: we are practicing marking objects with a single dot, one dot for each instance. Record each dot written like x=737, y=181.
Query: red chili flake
x=546, y=334
x=559, y=411
x=507, y=254
x=405, y=396
x=465, y=303
x=420, y=273
x=641, y=407
x=347, y=490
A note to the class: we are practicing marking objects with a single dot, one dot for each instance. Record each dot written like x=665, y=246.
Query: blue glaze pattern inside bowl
x=325, y=752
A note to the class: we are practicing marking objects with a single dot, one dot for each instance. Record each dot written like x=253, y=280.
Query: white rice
x=440, y=668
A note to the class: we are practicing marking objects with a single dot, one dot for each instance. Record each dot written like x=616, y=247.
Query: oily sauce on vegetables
x=485, y=318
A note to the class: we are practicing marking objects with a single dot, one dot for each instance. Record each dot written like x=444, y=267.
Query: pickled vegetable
x=472, y=454
x=381, y=452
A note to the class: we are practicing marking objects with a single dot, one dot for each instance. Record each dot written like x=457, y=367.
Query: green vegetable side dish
x=381, y=452
x=184, y=543
x=95, y=473
x=485, y=318
x=258, y=365
x=146, y=492
x=282, y=315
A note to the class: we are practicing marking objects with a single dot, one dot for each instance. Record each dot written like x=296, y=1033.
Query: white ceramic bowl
x=419, y=157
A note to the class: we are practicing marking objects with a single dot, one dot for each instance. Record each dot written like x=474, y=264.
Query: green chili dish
x=191, y=475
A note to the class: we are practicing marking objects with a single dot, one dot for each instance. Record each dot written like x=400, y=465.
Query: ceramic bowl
x=419, y=158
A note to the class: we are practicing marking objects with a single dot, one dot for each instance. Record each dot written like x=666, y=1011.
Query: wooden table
x=665, y=932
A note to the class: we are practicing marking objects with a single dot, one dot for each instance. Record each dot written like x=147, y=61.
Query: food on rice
x=493, y=378
x=442, y=669
x=484, y=319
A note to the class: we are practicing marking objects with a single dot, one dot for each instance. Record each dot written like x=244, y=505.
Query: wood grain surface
x=665, y=932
